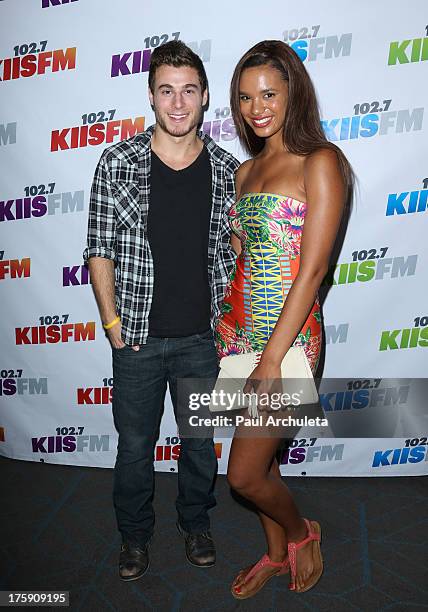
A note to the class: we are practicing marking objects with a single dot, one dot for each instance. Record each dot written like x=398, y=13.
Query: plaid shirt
x=117, y=227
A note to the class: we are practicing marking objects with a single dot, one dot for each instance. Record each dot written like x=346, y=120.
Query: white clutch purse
x=235, y=369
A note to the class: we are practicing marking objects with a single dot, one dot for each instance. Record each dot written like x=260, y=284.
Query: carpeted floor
x=57, y=532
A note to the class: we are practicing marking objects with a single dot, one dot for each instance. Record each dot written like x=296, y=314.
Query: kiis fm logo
x=98, y=128
x=135, y=62
x=371, y=119
x=311, y=47
x=364, y=394
x=400, y=456
x=303, y=450
x=14, y=268
x=96, y=395
x=36, y=63
x=222, y=127
x=409, y=337
x=7, y=133
x=371, y=264
x=41, y=205
x=75, y=275
x=12, y=383
x=409, y=50
x=54, y=329
x=171, y=450
x=408, y=202
x=71, y=441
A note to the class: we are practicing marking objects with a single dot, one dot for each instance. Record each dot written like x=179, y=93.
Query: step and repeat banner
x=73, y=80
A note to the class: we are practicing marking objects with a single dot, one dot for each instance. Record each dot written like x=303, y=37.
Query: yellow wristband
x=112, y=323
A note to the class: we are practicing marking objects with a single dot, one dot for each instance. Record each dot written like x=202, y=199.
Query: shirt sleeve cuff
x=98, y=251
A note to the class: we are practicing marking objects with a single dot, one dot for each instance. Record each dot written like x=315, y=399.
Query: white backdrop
x=72, y=73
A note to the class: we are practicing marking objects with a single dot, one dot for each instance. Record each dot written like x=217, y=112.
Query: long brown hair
x=302, y=132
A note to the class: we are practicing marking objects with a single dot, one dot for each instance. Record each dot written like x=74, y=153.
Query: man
x=159, y=256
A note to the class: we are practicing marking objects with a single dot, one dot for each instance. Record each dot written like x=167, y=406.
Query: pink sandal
x=314, y=535
x=264, y=562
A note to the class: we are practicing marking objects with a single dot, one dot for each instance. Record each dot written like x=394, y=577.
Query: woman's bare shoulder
x=323, y=158
x=244, y=169
x=242, y=174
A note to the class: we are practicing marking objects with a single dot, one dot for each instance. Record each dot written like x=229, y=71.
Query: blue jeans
x=140, y=382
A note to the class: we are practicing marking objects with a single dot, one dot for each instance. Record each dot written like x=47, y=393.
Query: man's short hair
x=176, y=53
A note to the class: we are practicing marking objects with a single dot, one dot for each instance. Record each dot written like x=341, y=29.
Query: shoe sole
x=237, y=596
x=196, y=565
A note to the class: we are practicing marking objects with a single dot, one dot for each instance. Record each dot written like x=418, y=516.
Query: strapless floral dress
x=270, y=229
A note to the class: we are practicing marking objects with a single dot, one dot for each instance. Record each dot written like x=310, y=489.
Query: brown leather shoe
x=133, y=561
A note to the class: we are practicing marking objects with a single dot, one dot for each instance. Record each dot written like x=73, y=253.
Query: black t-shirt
x=178, y=229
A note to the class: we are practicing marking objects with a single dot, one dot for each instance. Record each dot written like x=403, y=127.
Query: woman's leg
x=276, y=536
x=252, y=474
x=276, y=541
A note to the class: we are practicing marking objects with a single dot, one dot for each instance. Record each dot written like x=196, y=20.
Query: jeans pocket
x=122, y=348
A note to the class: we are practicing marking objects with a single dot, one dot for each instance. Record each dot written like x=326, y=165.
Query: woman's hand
x=264, y=380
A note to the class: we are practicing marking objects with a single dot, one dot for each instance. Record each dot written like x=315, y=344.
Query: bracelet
x=112, y=323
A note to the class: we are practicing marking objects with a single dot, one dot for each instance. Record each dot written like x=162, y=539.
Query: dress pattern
x=270, y=229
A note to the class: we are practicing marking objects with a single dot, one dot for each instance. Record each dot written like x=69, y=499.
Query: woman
x=291, y=195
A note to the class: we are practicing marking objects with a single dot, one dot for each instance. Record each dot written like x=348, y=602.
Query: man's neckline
x=197, y=158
